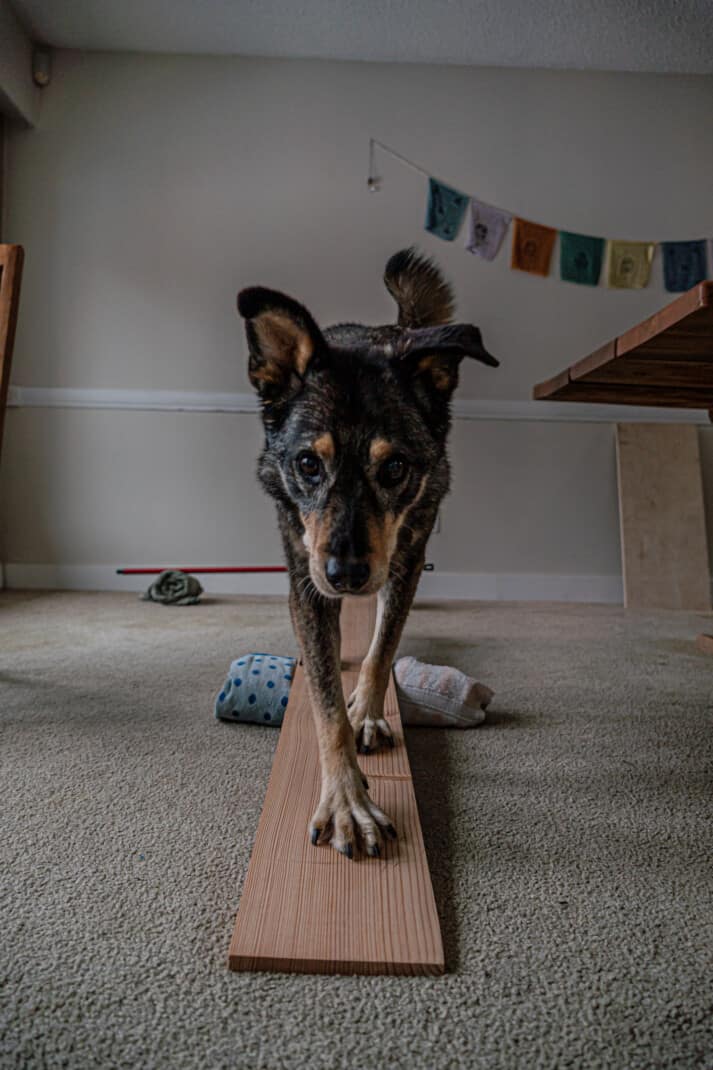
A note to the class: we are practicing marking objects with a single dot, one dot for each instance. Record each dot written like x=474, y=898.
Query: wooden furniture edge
x=704, y=642
x=12, y=259
x=699, y=296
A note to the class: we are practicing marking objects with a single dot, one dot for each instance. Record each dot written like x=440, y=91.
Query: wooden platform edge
x=331, y=968
x=580, y=381
x=704, y=643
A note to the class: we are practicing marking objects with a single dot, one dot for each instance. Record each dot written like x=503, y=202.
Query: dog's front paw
x=346, y=814
x=368, y=722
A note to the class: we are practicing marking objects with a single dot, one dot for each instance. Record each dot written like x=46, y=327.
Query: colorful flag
x=532, y=246
x=629, y=264
x=580, y=258
x=445, y=210
x=487, y=227
x=684, y=264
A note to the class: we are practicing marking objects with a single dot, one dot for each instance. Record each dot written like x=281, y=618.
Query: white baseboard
x=519, y=587
x=443, y=586
x=463, y=408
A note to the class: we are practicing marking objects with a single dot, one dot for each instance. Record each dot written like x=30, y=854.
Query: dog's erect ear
x=436, y=353
x=282, y=339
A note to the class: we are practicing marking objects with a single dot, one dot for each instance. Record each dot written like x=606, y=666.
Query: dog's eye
x=310, y=466
x=392, y=471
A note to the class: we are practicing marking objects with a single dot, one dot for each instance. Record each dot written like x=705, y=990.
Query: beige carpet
x=569, y=838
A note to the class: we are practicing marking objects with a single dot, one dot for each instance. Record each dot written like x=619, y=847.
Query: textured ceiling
x=626, y=35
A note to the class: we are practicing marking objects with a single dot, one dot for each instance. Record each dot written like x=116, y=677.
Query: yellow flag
x=629, y=264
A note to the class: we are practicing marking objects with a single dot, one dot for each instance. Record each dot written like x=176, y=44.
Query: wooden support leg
x=308, y=909
x=663, y=529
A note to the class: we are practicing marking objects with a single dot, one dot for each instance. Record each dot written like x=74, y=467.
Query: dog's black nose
x=346, y=575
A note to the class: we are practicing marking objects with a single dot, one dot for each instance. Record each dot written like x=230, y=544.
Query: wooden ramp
x=308, y=909
x=667, y=360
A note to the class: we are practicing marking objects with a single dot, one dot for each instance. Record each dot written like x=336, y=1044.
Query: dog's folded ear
x=436, y=352
x=282, y=340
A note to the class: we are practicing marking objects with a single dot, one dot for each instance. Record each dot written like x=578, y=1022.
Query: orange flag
x=532, y=247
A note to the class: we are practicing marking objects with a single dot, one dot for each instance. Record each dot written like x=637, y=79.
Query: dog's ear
x=435, y=353
x=282, y=340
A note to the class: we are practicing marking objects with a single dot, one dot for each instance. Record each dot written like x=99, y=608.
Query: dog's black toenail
x=391, y=831
x=365, y=782
x=364, y=749
x=348, y=851
x=391, y=741
x=374, y=850
x=314, y=835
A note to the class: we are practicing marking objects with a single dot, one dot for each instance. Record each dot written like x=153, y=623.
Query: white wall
x=154, y=187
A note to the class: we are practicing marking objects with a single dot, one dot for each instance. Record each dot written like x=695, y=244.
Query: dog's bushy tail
x=417, y=286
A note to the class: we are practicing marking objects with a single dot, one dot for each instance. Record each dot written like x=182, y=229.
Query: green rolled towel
x=172, y=588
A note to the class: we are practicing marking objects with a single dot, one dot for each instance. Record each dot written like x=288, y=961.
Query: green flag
x=580, y=258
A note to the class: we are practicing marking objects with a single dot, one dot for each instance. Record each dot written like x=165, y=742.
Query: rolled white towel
x=439, y=695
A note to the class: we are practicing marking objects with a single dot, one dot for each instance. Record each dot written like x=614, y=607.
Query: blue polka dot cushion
x=256, y=690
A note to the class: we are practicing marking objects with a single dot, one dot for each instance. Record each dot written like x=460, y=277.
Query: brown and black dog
x=356, y=421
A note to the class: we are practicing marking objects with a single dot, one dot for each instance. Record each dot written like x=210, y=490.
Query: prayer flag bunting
x=532, y=247
x=487, y=228
x=629, y=264
x=684, y=264
x=445, y=210
x=580, y=258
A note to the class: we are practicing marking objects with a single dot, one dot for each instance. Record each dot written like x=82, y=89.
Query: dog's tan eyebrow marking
x=324, y=446
x=379, y=450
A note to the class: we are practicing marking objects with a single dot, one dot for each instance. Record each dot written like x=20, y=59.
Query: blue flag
x=684, y=264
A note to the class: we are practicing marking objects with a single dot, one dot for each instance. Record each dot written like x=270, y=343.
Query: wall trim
x=222, y=401
x=455, y=586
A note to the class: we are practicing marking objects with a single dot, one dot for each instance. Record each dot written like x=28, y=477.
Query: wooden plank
x=687, y=307
x=357, y=621
x=705, y=643
x=663, y=529
x=670, y=397
x=599, y=358
x=667, y=360
x=551, y=389
x=654, y=371
x=308, y=909
x=11, y=261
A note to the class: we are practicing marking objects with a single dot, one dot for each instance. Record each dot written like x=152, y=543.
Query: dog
x=356, y=422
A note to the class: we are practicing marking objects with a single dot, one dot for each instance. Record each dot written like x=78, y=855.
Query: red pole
x=201, y=568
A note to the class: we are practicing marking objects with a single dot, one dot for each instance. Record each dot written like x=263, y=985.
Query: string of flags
x=626, y=264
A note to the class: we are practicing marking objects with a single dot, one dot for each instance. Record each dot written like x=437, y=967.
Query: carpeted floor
x=569, y=838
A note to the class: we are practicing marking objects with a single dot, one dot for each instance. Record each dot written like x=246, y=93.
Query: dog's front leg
x=366, y=702
x=345, y=808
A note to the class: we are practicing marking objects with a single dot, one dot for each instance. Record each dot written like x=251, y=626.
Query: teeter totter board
x=308, y=909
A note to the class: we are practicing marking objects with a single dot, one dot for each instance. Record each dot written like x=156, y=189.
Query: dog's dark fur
x=356, y=420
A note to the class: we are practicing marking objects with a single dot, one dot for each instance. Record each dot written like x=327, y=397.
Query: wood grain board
x=308, y=909
x=705, y=643
x=11, y=260
x=663, y=528
x=666, y=360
